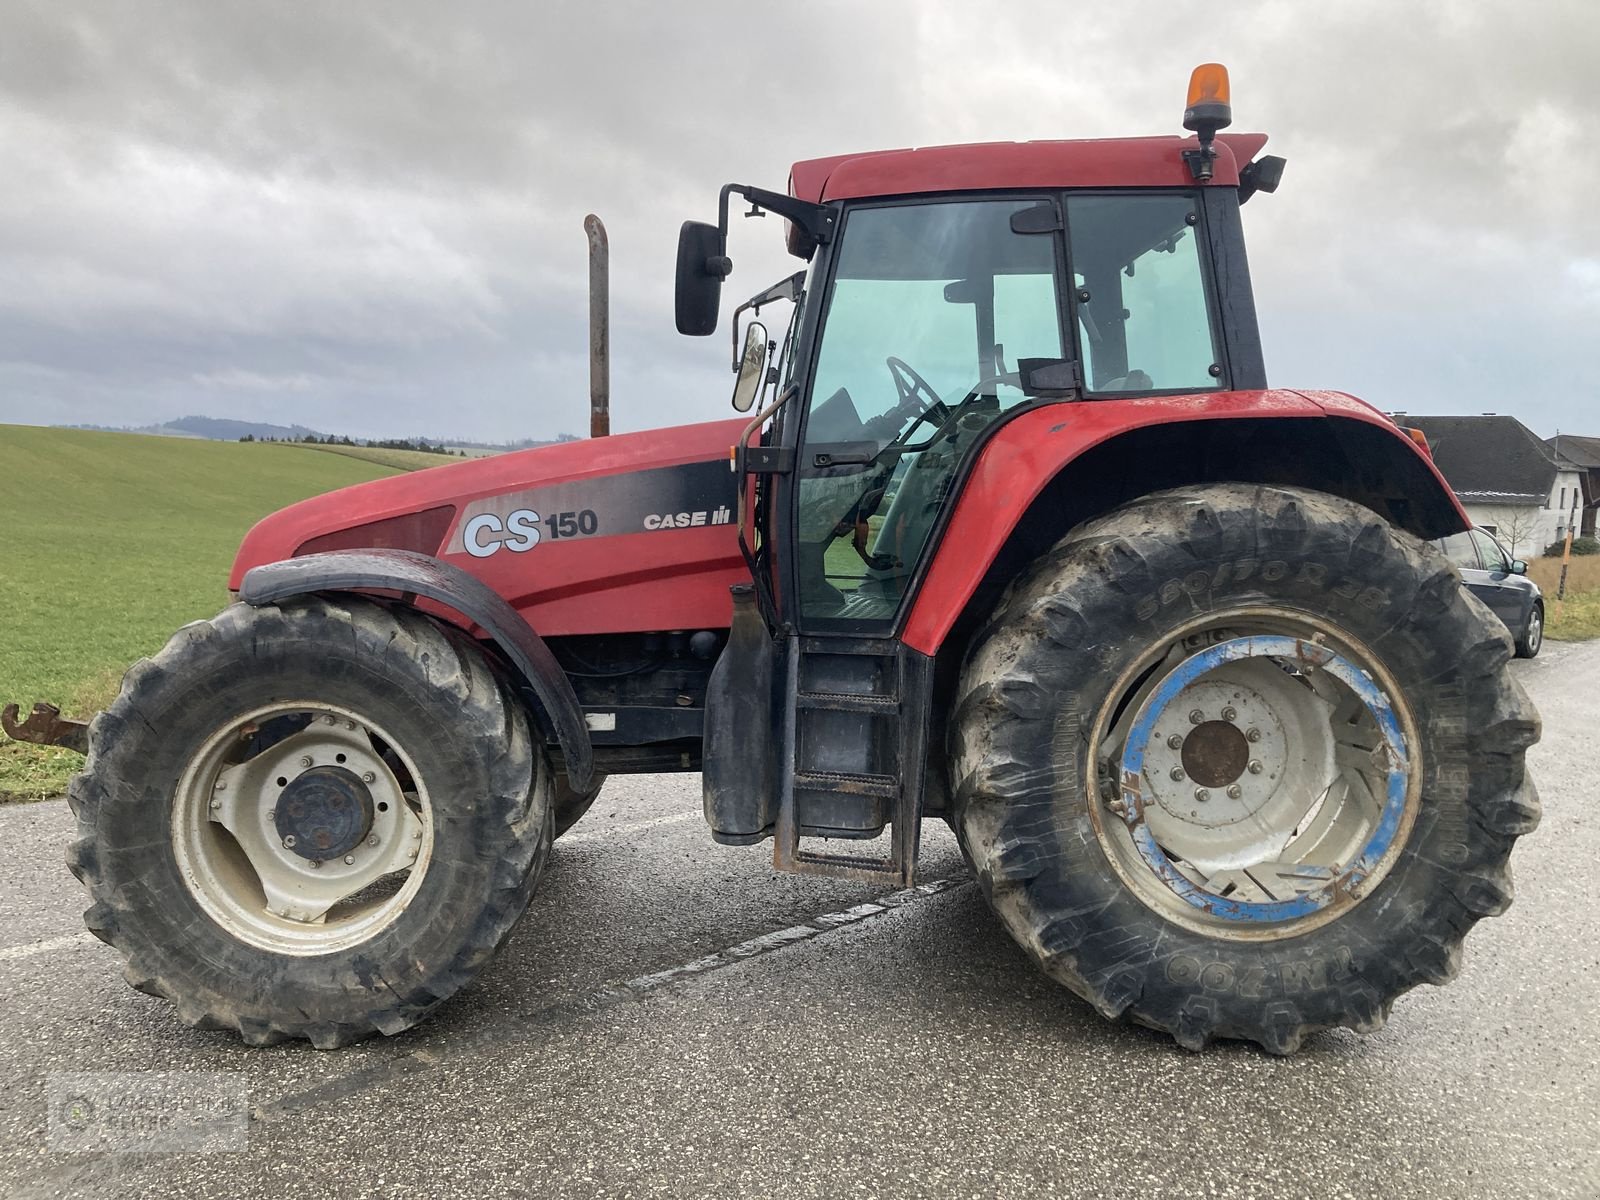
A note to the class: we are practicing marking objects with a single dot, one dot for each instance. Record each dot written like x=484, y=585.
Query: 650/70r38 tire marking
x=1185, y=819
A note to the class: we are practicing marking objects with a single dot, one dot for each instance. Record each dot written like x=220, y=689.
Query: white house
x=1507, y=479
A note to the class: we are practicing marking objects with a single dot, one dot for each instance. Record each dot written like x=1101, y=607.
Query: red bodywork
x=637, y=580
x=1147, y=162
x=623, y=580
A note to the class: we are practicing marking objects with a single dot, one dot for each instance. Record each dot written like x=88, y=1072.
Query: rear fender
x=1051, y=468
x=558, y=713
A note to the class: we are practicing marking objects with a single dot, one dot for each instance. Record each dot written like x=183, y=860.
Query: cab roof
x=991, y=166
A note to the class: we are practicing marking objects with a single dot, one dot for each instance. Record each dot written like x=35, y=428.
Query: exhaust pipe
x=599, y=327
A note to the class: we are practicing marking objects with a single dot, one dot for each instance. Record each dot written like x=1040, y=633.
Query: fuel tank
x=629, y=533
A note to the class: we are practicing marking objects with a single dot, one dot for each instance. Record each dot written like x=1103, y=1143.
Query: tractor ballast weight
x=1166, y=646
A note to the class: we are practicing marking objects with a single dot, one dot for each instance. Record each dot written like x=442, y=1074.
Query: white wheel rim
x=261, y=886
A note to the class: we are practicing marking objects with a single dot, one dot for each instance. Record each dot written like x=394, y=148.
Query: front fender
x=559, y=715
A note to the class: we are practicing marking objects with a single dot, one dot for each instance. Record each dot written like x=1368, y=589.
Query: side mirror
x=702, y=266
x=1519, y=567
x=752, y=366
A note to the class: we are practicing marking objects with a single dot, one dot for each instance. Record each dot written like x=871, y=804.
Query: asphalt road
x=674, y=1019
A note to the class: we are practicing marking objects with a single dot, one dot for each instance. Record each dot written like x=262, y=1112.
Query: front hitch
x=45, y=726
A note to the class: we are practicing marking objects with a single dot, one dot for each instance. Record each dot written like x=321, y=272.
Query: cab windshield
x=930, y=308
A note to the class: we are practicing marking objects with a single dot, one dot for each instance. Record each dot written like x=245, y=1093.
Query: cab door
x=929, y=307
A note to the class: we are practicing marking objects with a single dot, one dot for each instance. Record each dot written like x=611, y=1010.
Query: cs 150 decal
x=683, y=497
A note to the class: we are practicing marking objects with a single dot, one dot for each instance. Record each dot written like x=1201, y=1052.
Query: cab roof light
x=1207, y=109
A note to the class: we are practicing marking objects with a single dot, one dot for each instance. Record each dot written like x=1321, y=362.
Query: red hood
x=632, y=531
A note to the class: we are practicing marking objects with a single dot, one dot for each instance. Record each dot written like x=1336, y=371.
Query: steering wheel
x=908, y=385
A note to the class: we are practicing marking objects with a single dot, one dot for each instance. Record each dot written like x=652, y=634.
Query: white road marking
x=610, y=831
x=497, y=1037
x=779, y=938
x=9, y=953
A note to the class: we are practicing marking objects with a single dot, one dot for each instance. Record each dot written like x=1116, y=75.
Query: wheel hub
x=1215, y=754
x=324, y=813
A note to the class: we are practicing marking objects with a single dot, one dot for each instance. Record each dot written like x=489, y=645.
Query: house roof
x=1489, y=459
x=1581, y=452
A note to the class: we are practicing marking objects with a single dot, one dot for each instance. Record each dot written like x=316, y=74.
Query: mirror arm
x=816, y=220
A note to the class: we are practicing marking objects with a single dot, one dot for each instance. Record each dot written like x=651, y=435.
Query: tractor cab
x=949, y=290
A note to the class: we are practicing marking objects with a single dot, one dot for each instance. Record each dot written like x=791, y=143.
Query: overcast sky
x=367, y=217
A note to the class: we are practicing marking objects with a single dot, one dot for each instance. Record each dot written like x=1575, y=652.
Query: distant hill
x=212, y=429
x=225, y=429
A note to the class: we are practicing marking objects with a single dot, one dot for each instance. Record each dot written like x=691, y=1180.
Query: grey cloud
x=366, y=216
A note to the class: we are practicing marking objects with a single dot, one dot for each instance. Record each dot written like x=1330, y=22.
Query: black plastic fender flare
x=558, y=714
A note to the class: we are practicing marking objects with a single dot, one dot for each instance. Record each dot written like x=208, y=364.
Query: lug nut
x=1177, y=774
x=1118, y=806
x=1255, y=766
x=216, y=804
x=272, y=814
x=1196, y=716
x=1234, y=791
x=368, y=777
x=305, y=760
x=1253, y=735
x=1175, y=742
x=349, y=860
x=331, y=719
x=288, y=842
x=315, y=863
x=1202, y=795
x=222, y=785
x=373, y=840
x=349, y=724
x=416, y=835
x=1229, y=714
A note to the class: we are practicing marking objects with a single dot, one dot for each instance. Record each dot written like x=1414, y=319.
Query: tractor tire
x=569, y=804
x=1242, y=762
x=311, y=820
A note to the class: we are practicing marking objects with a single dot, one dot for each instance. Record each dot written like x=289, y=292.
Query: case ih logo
x=687, y=520
x=682, y=497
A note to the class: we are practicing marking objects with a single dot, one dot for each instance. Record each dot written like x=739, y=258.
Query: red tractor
x=1017, y=537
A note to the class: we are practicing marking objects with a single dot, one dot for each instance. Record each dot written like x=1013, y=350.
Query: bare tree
x=1516, y=526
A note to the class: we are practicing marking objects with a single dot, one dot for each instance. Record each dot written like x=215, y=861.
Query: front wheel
x=313, y=820
x=1242, y=762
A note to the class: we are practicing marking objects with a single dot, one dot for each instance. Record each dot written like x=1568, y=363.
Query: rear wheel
x=312, y=820
x=1242, y=762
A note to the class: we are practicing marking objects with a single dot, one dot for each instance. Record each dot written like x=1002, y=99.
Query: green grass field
x=399, y=460
x=108, y=543
x=1576, y=618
